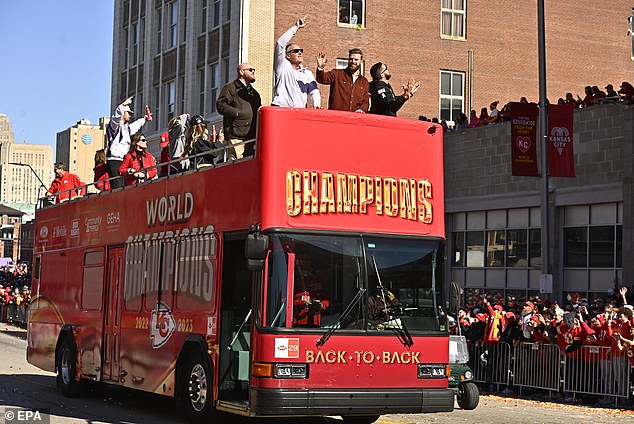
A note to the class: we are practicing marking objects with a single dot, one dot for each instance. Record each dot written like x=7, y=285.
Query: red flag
x=561, y=157
x=523, y=135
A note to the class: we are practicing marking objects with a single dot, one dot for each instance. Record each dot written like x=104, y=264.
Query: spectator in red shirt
x=100, y=170
x=138, y=165
x=64, y=183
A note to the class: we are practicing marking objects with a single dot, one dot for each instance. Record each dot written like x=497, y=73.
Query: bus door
x=112, y=318
x=235, y=321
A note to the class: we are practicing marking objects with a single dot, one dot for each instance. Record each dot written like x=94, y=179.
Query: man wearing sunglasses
x=384, y=101
x=238, y=103
x=293, y=82
x=349, y=90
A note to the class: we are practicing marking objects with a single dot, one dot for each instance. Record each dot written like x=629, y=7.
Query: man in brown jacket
x=349, y=90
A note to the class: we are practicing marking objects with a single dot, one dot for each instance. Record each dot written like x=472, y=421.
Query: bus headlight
x=290, y=371
x=468, y=375
x=432, y=371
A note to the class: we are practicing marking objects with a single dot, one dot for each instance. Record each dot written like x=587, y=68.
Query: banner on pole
x=523, y=139
x=561, y=156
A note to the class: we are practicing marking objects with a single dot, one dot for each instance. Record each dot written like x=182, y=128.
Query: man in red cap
x=527, y=328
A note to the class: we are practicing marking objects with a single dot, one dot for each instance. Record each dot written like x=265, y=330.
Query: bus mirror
x=256, y=248
x=455, y=295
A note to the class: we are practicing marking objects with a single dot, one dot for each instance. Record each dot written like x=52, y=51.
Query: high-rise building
x=25, y=169
x=175, y=55
x=76, y=147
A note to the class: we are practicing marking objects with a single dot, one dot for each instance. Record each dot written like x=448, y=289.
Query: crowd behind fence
x=592, y=371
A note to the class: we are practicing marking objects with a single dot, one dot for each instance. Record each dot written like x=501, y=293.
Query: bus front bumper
x=350, y=401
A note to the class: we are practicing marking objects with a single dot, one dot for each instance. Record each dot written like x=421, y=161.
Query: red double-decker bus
x=306, y=280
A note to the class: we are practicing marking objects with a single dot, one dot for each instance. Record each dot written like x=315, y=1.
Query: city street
x=25, y=386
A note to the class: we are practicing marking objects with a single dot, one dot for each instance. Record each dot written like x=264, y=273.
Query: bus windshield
x=312, y=279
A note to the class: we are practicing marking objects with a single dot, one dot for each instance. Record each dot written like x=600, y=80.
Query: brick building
x=176, y=55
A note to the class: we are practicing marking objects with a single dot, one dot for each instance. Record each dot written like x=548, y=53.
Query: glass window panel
x=535, y=247
x=495, y=248
x=446, y=4
x=602, y=246
x=575, y=247
x=456, y=84
x=458, y=249
x=445, y=109
x=619, y=246
x=475, y=249
x=458, y=30
x=445, y=83
x=458, y=4
x=445, y=23
x=357, y=12
x=517, y=248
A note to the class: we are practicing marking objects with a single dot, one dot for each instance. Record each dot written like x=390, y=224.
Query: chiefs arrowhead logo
x=523, y=143
x=162, y=325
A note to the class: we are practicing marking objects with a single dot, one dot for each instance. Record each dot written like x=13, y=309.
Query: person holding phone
x=293, y=82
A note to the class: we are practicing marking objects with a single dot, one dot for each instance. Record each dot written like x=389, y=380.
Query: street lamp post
x=34, y=173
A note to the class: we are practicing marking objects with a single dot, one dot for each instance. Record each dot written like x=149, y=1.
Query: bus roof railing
x=90, y=189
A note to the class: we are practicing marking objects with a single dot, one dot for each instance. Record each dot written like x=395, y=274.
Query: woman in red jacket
x=138, y=165
x=101, y=172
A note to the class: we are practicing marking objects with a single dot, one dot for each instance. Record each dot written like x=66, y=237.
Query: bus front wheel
x=197, y=389
x=66, y=369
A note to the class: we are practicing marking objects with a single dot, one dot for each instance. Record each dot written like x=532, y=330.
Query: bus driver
x=310, y=298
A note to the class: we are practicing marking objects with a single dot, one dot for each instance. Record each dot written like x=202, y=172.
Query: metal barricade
x=491, y=362
x=537, y=366
x=20, y=318
x=12, y=312
x=594, y=370
x=3, y=312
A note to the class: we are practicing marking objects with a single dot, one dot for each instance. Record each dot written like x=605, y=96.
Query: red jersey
x=137, y=161
x=101, y=177
x=67, y=181
x=568, y=336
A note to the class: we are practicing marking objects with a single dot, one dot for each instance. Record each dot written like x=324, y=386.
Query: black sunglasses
x=296, y=51
x=249, y=69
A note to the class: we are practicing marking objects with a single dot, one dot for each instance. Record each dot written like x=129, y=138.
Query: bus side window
x=92, y=284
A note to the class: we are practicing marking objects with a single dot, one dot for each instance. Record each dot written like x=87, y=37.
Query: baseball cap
x=127, y=108
x=530, y=305
x=165, y=139
x=498, y=308
x=197, y=119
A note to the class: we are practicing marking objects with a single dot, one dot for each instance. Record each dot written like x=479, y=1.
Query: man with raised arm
x=119, y=131
x=349, y=90
x=293, y=82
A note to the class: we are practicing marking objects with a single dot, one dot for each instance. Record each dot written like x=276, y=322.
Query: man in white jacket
x=119, y=131
x=293, y=82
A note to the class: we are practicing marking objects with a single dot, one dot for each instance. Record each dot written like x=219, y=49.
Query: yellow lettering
x=390, y=196
x=341, y=357
x=320, y=357
x=356, y=352
x=378, y=186
x=366, y=193
x=310, y=356
x=368, y=357
x=425, y=207
x=311, y=187
x=406, y=358
x=407, y=198
x=331, y=356
x=415, y=358
x=327, y=204
x=293, y=193
x=386, y=357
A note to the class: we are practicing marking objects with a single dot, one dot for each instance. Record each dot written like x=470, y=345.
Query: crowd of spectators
x=593, y=95
x=603, y=322
x=15, y=293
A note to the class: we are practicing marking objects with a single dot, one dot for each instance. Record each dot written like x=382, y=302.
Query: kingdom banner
x=523, y=139
x=561, y=157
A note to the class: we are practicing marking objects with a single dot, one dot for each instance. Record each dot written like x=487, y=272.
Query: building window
x=214, y=84
x=216, y=13
x=170, y=98
x=173, y=31
x=159, y=32
x=203, y=17
x=475, y=249
x=516, y=248
x=451, y=95
x=351, y=12
x=201, y=86
x=135, y=42
x=453, y=18
x=593, y=247
x=458, y=249
x=495, y=248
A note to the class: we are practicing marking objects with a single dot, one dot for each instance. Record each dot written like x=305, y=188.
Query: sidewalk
x=12, y=330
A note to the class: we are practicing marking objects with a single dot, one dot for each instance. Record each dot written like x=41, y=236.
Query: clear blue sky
x=56, y=64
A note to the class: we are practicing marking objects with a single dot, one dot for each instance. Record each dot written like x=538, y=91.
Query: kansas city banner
x=561, y=157
x=523, y=139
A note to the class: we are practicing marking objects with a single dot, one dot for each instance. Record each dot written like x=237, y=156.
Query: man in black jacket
x=384, y=102
x=238, y=103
